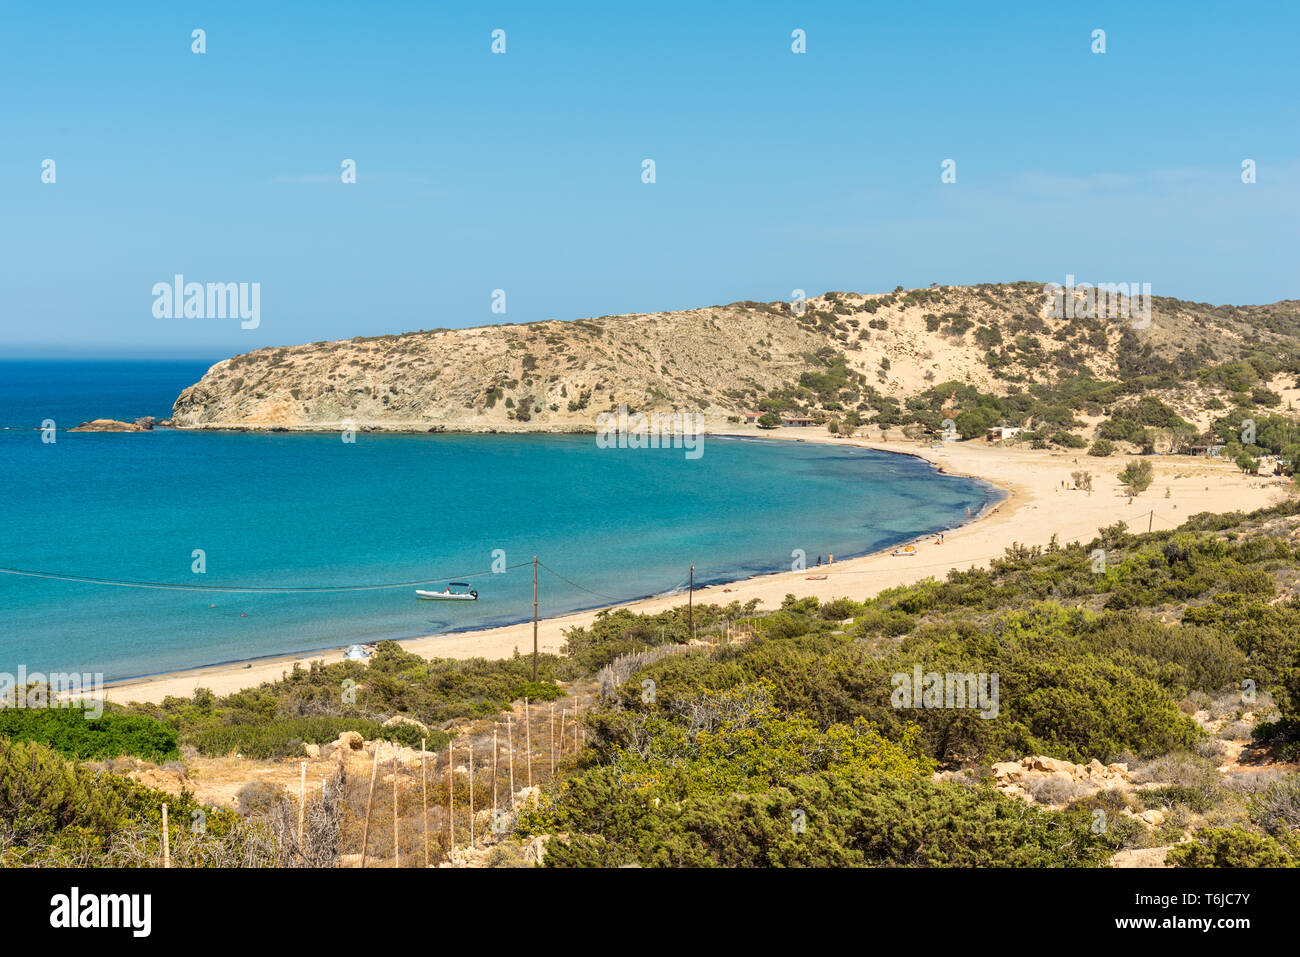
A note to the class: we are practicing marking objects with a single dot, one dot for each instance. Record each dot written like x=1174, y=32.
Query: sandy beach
x=1036, y=508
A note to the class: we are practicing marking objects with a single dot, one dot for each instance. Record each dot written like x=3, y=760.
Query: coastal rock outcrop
x=1053, y=782
x=399, y=719
x=114, y=425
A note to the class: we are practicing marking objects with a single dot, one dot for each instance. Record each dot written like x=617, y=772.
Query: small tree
x=976, y=421
x=1247, y=464
x=1291, y=456
x=1136, y=476
x=769, y=420
x=1082, y=480
x=1181, y=437
x=1102, y=448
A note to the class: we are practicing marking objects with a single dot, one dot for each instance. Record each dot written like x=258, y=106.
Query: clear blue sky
x=477, y=171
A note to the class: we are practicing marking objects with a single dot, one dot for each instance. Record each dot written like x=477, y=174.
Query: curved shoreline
x=997, y=496
x=1023, y=476
x=238, y=674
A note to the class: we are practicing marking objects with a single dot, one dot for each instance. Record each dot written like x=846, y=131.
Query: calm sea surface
x=310, y=510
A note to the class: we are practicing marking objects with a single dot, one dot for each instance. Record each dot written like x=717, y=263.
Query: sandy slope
x=1037, y=508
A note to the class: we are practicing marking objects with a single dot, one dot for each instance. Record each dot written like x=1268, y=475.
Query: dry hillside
x=844, y=354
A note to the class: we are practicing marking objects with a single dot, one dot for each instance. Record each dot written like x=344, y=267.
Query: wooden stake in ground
x=424, y=800
x=510, y=750
x=302, y=801
x=167, y=844
x=451, y=805
x=471, y=795
x=397, y=859
x=561, y=731
x=370, y=799
x=690, y=603
x=338, y=823
x=534, y=617
x=528, y=735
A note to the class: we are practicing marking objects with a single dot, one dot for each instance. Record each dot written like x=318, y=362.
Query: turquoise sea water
x=311, y=510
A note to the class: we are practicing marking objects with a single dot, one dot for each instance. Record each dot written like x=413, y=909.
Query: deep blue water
x=311, y=510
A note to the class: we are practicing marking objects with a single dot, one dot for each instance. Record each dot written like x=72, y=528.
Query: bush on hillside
x=75, y=735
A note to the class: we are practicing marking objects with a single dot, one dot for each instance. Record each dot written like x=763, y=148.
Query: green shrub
x=1233, y=847
x=351, y=695
x=54, y=812
x=1136, y=476
x=75, y=735
x=284, y=737
x=1277, y=808
x=620, y=632
x=1176, y=795
x=539, y=691
x=821, y=820
x=1068, y=440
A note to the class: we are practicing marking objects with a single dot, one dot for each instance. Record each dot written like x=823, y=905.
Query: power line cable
x=383, y=586
x=255, y=589
x=580, y=587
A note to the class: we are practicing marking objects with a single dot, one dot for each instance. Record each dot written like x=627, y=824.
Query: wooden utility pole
x=494, y=772
x=552, y=739
x=424, y=798
x=534, y=620
x=167, y=844
x=397, y=858
x=528, y=739
x=690, y=603
x=471, y=795
x=370, y=799
x=510, y=751
x=302, y=802
x=451, y=805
